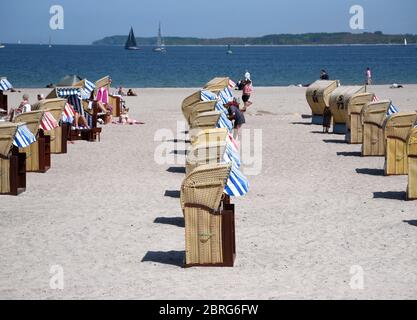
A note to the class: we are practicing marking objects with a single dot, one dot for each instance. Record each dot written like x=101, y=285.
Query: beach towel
x=48, y=122
x=5, y=85
x=103, y=95
x=23, y=138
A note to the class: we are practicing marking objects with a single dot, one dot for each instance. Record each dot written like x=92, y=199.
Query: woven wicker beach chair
x=318, y=96
x=205, y=153
x=397, y=128
x=206, y=120
x=12, y=163
x=58, y=136
x=412, y=164
x=210, y=135
x=200, y=108
x=338, y=103
x=38, y=154
x=209, y=227
x=217, y=84
x=354, y=125
x=373, y=116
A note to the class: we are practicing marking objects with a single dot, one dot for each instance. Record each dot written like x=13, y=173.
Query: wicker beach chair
x=5, y=85
x=318, y=96
x=397, y=128
x=209, y=226
x=217, y=84
x=354, y=133
x=58, y=136
x=373, y=116
x=338, y=103
x=206, y=120
x=205, y=153
x=210, y=135
x=38, y=154
x=12, y=163
x=412, y=164
x=200, y=108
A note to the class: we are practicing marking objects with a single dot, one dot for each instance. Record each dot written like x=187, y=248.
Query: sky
x=89, y=20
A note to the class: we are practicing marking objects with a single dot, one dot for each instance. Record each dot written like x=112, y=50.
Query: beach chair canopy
x=217, y=84
x=205, y=186
x=87, y=86
x=192, y=111
x=375, y=112
x=104, y=82
x=32, y=119
x=210, y=135
x=339, y=101
x=398, y=125
x=205, y=153
x=7, y=134
x=318, y=95
x=54, y=106
x=5, y=84
x=69, y=81
x=206, y=120
x=191, y=100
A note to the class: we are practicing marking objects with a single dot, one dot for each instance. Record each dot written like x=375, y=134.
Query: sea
x=192, y=66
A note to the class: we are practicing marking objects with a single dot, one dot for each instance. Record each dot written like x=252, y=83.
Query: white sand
x=308, y=218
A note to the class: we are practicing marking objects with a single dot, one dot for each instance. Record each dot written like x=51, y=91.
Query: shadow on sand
x=391, y=195
x=177, y=221
x=173, y=258
x=371, y=172
x=176, y=170
x=173, y=194
x=411, y=222
x=350, y=154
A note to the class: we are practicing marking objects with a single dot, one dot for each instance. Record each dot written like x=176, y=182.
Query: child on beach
x=247, y=92
x=368, y=76
x=327, y=119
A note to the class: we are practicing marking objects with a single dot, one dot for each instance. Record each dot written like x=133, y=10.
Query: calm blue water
x=36, y=65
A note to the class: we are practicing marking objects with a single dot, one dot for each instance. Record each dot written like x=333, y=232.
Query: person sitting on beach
x=237, y=116
x=120, y=92
x=37, y=104
x=247, y=91
x=324, y=75
x=131, y=93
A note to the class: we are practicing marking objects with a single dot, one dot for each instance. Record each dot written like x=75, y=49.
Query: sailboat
x=229, y=49
x=131, y=41
x=160, y=45
x=50, y=42
x=2, y=46
x=405, y=42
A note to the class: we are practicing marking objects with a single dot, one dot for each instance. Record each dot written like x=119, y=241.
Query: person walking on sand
x=368, y=76
x=247, y=92
x=237, y=116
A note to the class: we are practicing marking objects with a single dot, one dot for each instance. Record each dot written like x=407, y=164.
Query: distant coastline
x=307, y=39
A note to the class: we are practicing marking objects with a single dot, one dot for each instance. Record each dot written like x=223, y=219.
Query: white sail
x=405, y=42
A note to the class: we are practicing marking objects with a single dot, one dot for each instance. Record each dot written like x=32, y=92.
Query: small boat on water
x=50, y=42
x=160, y=45
x=131, y=41
x=229, y=49
x=405, y=42
x=2, y=46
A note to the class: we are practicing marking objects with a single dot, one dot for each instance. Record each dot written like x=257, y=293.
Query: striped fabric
x=224, y=121
x=208, y=95
x=392, y=110
x=237, y=184
x=5, y=85
x=233, y=143
x=68, y=114
x=89, y=87
x=73, y=97
x=226, y=96
x=24, y=138
x=48, y=122
x=231, y=155
x=375, y=99
x=232, y=84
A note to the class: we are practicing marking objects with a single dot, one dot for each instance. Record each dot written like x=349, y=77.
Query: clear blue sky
x=89, y=20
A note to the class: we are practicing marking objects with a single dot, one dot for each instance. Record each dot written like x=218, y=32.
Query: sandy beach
x=110, y=216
